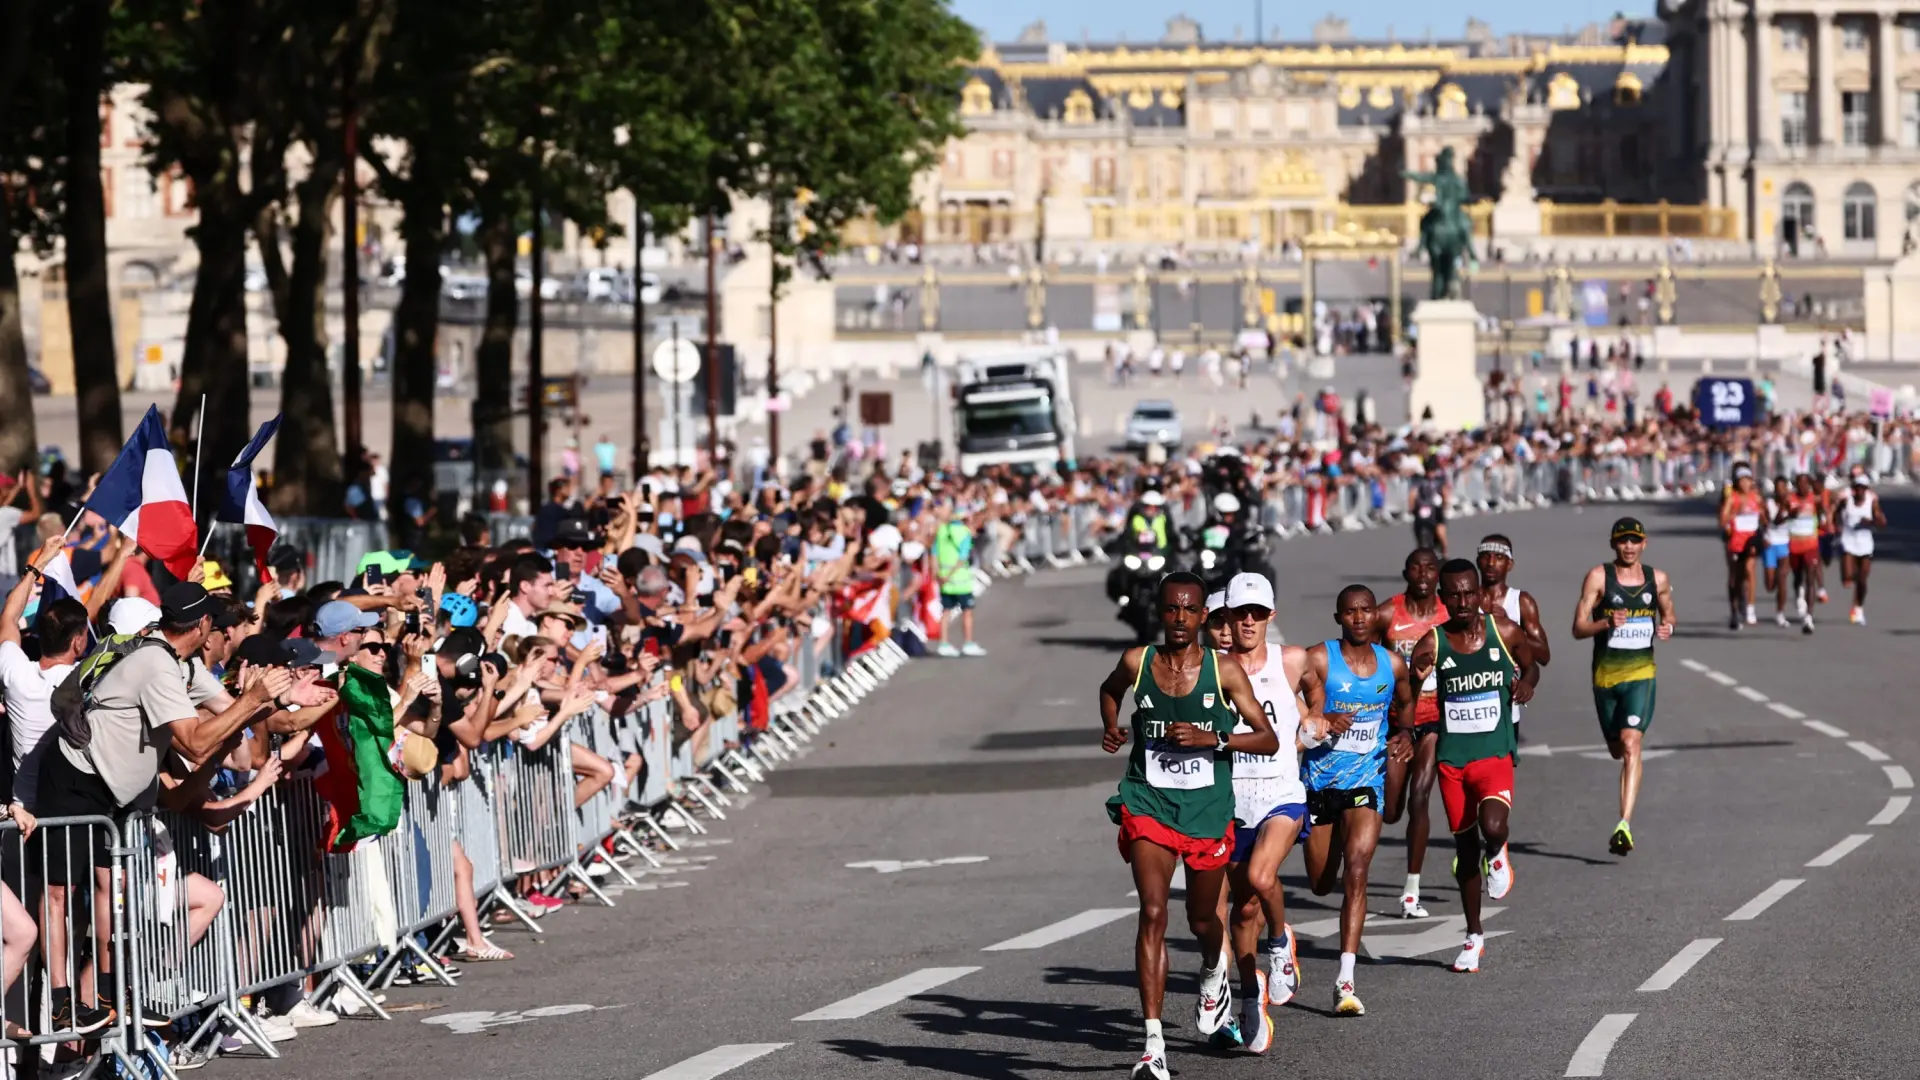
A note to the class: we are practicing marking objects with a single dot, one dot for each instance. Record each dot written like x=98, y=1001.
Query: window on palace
x=1796, y=210
x=1913, y=205
x=1910, y=118
x=1910, y=35
x=1793, y=35
x=1856, y=109
x=1853, y=34
x=1793, y=118
x=1856, y=212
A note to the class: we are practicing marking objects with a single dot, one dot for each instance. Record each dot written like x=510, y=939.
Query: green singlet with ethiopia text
x=1187, y=789
x=1475, y=691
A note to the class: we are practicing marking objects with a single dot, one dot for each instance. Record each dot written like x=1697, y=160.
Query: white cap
x=1216, y=602
x=130, y=615
x=688, y=543
x=1153, y=498
x=912, y=550
x=885, y=539
x=1226, y=503
x=1250, y=590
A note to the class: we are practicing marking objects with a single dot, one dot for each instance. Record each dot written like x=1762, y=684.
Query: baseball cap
x=1153, y=498
x=215, y=577
x=1216, y=601
x=1861, y=479
x=289, y=652
x=575, y=532
x=885, y=539
x=131, y=615
x=336, y=617
x=649, y=543
x=1250, y=590
x=1629, y=527
x=186, y=602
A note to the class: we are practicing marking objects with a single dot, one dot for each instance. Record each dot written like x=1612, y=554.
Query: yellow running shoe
x=1346, y=1002
x=1622, y=840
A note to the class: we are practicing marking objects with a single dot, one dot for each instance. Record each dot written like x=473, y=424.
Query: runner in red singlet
x=1401, y=622
x=1806, y=509
x=1742, y=515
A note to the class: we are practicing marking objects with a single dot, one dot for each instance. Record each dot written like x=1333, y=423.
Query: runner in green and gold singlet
x=1625, y=607
x=1176, y=799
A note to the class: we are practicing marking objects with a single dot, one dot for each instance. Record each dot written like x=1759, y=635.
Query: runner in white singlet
x=1495, y=561
x=1859, y=513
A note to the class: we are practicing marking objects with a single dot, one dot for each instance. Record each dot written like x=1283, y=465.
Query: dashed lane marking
x=1898, y=777
x=1064, y=929
x=1723, y=678
x=1695, y=665
x=1896, y=805
x=1787, y=711
x=887, y=994
x=718, y=1060
x=1671, y=971
x=1590, y=1059
x=1749, y=693
x=894, y=866
x=1769, y=896
x=1869, y=751
x=1840, y=850
x=1826, y=729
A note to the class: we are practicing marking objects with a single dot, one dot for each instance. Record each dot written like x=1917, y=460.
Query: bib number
x=1179, y=768
x=1802, y=526
x=1425, y=512
x=1475, y=714
x=1746, y=523
x=1635, y=634
x=1361, y=738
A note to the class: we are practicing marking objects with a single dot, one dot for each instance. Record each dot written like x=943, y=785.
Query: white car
x=1153, y=422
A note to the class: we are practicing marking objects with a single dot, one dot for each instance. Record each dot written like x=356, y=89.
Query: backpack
x=74, y=695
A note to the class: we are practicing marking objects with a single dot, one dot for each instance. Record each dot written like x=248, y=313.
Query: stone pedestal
x=1893, y=311
x=1447, y=381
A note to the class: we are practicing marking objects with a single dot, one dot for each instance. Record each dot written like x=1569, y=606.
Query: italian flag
x=363, y=795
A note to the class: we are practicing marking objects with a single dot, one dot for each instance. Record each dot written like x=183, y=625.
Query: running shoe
x=1346, y=1002
x=1259, y=1037
x=1499, y=873
x=1821, y=596
x=973, y=648
x=1780, y=620
x=78, y=1017
x=1857, y=617
x=1751, y=617
x=1212, y=1011
x=1806, y=625
x=1228, y=1037
x=1622, y=840
x=948, y=649
x=1733, y=622
x=1410, y=907
x=1468, y=962
x=1285, y=980
x=1153, y=1066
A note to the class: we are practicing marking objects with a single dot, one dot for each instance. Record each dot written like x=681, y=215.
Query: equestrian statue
x=1446, y=234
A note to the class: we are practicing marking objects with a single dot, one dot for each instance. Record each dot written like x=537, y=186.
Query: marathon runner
x=1219, y=632
x=1805, y=519
x=1485, y=667
x=1402, y=622
x=1270, y=811
x=1360, y=688
x=1740, y=526
x=1774, y=557
x=1859, y=515
x=1175, y=801
x=1427, y=503
x=1624, y=607
x=1495, y=561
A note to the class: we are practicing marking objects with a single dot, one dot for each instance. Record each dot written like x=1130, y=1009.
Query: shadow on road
x=960, y=1061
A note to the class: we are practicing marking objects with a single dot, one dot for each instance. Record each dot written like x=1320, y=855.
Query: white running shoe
x=948, y=649
x=1468, y=962
x=1499, y=874
x=1780, y=620
x=1213, y=1010
x=1285, y=979
x=972, y=648
x=1751, y=617
x=1806, y=625
x=1346, y=1002
x=1256, y=1025
x=307, y=1014
x=1410, y=908
x=1153, y=1066
x=1857, y=617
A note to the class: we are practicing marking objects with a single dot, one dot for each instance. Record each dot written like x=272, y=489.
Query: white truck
x=1014, y=408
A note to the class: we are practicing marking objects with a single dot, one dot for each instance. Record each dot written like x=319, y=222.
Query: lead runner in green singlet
x=1176, y=800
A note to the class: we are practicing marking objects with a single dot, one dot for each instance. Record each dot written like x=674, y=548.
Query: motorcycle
x=1136, y=581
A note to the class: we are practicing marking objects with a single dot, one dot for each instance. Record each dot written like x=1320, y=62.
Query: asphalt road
x=1769, y=751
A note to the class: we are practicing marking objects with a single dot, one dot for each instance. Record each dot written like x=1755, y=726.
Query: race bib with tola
x=1180, y=768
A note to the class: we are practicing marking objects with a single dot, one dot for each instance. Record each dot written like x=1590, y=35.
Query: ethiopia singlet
x=1476, y=698
x=1264, y=781
x=1187, y=789
x=1358, y=757
x=1624, y=653
x=1404, y=631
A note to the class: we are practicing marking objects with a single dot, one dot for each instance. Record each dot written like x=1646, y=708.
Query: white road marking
x=887, y=994
x=1768, y=897
x=1590, y=1059
x=1064, y=929
x=1787, y=711
x=718, y=1060
x=1446, y=936
x=1869, y=751
x=1840, y=850
x=472, y=1023
x=1543, y=750
x=1896, y=805
x=894, y=866
x=1671, y=971
x=1723, y=678
x=1645, y=755
x=1695, y=665
x=1898, y=777
x=1826, y=729
x=1749, y=693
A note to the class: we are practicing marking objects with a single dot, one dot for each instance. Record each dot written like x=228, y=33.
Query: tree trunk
x=415, y=358
x=19, y=444
x=493, y=360
x=216, y=343
x=96, y=368
x=306, y=462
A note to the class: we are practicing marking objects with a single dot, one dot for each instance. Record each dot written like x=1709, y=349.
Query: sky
x=1145, y=20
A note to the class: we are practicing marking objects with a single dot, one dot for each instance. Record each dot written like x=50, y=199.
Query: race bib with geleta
x=1179, y=768
x=1361, y=738
x=1633, y=634
x=1474, y=714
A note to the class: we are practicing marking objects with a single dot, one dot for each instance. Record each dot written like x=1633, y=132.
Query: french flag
x=141, y=495
x=240, y=504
